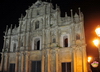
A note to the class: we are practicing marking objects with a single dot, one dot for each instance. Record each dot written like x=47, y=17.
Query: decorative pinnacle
x=79, y=13
x=79, y=10
x=66, y=14
x=6, y=30
x=71, y=14
x=56, y=5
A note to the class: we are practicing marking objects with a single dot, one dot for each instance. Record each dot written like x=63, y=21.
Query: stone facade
x=44, y=37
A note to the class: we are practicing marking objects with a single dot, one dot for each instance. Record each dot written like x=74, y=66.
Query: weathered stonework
x=46, y=38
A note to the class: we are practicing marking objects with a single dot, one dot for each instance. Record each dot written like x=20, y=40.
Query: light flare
x=89, y=59
x=98, y=31
x=96, y=42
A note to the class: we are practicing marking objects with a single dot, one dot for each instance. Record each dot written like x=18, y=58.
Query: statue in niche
x=37, y=12
x=14, y=47
x=21, y=41
x=77, y=37
x=6, y=45
x=54, y=40
x=78, y=42
x=21, y=44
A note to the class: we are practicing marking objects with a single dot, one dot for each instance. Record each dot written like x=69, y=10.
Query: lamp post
x=97, y=41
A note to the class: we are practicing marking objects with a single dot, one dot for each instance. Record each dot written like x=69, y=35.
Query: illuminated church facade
x=45, y=42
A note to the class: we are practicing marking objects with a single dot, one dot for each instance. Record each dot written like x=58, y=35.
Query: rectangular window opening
x=66, y=67
x=12, y=67
x=36, y=66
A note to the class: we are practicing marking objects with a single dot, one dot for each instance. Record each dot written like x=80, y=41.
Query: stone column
x=59, y=36
x=43, y=38
x=78, y=65
x=48, y=61
x=4, y=46
x=57, y=39
x=17, y=62
x=42, y=61
x=73, y=34
x=73, y=61
x=26, y=44
x=56, y=60
x=19, y=43
x=84, y=58
x=6, y=62
x=27, y=63
x=22, y=62
x=48, y=38
x=9, y=43
x=19, y=36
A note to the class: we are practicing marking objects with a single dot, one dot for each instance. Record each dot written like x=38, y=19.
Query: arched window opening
x=37, y=44
x=14, y=47
x=37, y=25
x=77, y=37
x=65, y=40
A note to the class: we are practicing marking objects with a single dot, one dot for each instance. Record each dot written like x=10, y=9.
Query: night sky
x=11, y=10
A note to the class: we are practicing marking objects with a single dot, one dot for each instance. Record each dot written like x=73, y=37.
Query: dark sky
x=11, y=10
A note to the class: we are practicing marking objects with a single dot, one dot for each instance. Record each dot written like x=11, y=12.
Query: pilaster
x=57, y=36
x=73, y=61
x=43, y=61
x=57, y=60
x=22, y=62
x=48, y=60
x=18, y=43
x=78, y=59
x=43, y=39
x=17, y=62
x=6, y=62
x=27, y=62
x=84, y=58
x=24, y=43
x=19, y=36
x=48, y=38
x=4, y=46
